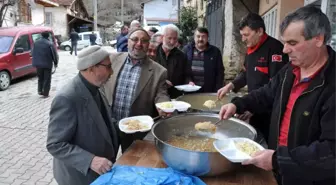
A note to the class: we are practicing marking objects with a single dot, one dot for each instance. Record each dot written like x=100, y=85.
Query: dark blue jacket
x=309, y=157
x=122, y=44
x=44, y=54
x=213, y=67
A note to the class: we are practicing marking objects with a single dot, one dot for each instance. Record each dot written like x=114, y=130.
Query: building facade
x=160, y=12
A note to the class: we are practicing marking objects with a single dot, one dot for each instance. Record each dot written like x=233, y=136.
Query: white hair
x=171, y=27
x=134, y=23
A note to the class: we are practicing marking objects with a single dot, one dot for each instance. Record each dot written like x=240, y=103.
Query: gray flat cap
x=91, y=56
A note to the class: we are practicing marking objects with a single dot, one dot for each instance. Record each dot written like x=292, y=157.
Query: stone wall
x=234, y=50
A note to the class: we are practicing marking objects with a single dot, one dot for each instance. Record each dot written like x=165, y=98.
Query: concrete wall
x=11, y=13
x=283, y=8
x=38, y=15
x=265, y=5
x=234, y=50
x=59, y=20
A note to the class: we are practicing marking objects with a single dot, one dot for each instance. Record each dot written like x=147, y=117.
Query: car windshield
x=6, y=42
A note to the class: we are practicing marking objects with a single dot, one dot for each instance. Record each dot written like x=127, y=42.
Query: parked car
x=84, y=41
x=15, y=51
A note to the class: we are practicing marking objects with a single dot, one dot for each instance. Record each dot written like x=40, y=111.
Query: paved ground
x=23, y=128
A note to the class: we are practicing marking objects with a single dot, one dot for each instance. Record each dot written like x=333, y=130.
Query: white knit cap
x=91, y=56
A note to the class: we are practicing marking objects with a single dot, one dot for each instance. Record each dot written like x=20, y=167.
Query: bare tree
x=3, y=8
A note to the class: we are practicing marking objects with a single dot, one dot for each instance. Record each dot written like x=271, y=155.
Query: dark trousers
x=126, y=140
x=44, y=80
x=73, y=48
x=261, y=122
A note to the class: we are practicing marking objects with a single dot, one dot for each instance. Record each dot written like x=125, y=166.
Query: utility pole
x=95, y=15
x=122, y=12
x=178, y=11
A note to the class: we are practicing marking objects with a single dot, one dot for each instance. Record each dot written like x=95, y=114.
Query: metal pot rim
x=209, y=114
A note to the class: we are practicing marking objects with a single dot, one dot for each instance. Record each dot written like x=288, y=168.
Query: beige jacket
x=151, y=89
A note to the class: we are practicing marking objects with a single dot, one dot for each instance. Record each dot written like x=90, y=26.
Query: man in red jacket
x=302, y=99
x=263, y=60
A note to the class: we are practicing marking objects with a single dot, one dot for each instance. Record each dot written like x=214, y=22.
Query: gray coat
x=77, y=132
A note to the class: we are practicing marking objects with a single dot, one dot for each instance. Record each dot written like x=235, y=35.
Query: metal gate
x=215, y=22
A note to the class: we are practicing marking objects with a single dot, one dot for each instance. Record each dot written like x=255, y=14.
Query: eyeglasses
x=136, y=40
x=107, y=66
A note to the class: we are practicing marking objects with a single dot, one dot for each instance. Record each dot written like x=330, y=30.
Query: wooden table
x=145, y=154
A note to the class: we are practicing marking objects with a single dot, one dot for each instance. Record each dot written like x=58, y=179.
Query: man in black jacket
x=206, y=62
x=74, y=37
x=44, y=55
x=174, y=60
x=263, y=60
x=302, y=99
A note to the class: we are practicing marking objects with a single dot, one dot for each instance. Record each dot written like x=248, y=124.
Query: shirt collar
x=297, y=74
x=92, y=88
x=254, y=48
x=129, y=60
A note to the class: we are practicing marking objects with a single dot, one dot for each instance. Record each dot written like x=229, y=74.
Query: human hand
x=227, y=111
x=169, y=83
x=261, y=159
x=191, y=83
x=224, y=90
x=100, y=165
x=163, y=114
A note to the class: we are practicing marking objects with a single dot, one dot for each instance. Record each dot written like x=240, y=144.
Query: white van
x=84, y=41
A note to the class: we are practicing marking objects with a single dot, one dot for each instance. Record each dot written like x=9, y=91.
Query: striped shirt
x=198, y=67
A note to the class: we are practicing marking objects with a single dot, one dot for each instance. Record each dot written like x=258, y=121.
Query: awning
x=74, y=18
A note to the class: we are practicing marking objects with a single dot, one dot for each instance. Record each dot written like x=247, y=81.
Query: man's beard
x=168, y=47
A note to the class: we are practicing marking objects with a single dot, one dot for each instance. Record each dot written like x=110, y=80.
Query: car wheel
x=4, y=80
x=67, y=48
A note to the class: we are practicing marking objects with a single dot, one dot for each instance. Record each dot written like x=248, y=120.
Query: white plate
x=177, y=105
x=229, y=150
x=188, y=88
x=181, y=106
x=145, y=120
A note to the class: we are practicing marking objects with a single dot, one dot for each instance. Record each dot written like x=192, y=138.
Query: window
x=174, y=2
x=270, y=19
x=6, y=42
x=24, y=11
x=86, y=37
x=48, y=18
x=37, y=36
x=23, y=42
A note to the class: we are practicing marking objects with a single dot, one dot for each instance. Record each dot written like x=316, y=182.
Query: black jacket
x=309, y=158
x=44, y=54
x=213, y=67
x=178, y=68
x=74, y=37
x=260, y=66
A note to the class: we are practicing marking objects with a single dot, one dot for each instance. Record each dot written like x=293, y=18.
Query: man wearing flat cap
x=136, y=84
x=81, y=135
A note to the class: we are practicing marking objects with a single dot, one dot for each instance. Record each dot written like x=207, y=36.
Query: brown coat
x=151, y=89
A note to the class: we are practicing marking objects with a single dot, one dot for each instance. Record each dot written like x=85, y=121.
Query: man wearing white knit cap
x=81, y=135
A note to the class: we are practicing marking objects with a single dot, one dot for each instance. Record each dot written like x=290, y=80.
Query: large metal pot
x=196, y=100
x=193, y=162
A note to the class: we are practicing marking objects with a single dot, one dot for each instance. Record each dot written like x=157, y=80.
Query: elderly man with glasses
x=136, y=85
